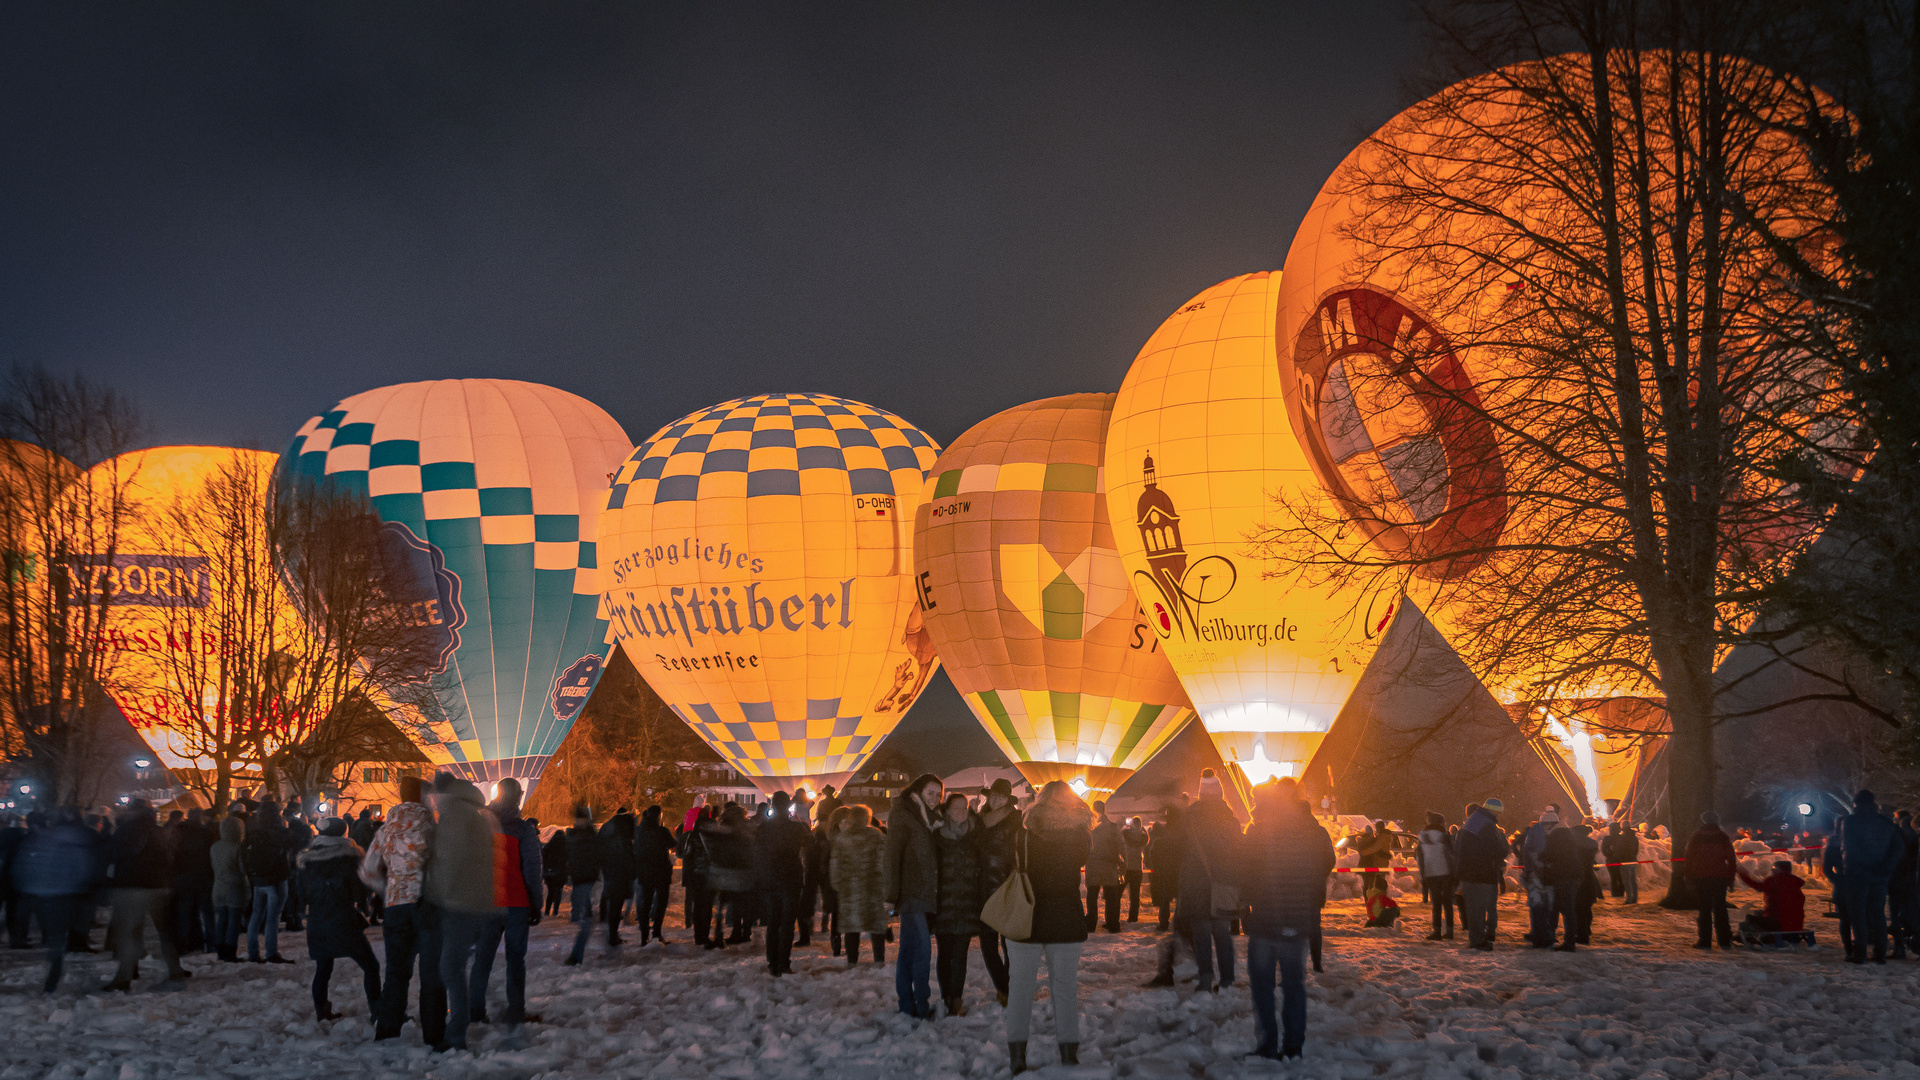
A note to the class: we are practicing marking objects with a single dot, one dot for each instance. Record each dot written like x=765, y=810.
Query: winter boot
x=1069, y=1053
x=1017, y=1057
x=323, y=1010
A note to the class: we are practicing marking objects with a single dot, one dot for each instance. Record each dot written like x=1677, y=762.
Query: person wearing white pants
x=1050, y=848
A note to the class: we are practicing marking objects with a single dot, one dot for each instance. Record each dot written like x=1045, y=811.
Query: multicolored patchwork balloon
x=490, y=489
x=759, y=561
x=1028, y=602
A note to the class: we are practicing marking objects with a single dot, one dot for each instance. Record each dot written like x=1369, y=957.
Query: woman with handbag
x=1050, y=851
x=1209, y=888
x=855, y=871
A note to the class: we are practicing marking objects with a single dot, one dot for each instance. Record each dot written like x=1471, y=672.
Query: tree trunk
x=1690, y=776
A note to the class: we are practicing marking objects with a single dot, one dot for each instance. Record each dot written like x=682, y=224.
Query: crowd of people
x=453, y=880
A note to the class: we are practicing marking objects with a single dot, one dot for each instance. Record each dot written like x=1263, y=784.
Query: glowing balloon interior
x=1198, y=449
x=490, y=489
x=760, y=560
x=1028, y=602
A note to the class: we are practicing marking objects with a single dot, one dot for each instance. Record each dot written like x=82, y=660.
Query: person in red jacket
x=1785, y=907
x=1710, y=867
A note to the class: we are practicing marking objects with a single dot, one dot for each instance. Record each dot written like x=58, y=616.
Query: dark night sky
x=239, y=214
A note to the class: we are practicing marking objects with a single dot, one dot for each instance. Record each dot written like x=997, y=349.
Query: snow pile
x=1640, y=1004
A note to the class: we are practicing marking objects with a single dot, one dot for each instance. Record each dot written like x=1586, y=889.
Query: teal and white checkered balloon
x=493, y=489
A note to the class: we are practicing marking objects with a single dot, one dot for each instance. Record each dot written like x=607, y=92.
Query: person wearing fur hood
x=330, y=890
x=1052, y=846
x=460, y=883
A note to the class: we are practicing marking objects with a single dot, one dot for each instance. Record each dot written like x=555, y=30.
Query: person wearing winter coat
x=1133, y=853
x=461, y=885
x=956, y=846
x=583, y=871
x=297, y=835
x=1531, y=848
x=1622, y=847
x=396, y=866
x=56, y=868
x=617, y=872
x=268, y=863
x=1213, y=857
x=1710, y=866
x=1865, y=851
x=1000, y=825
x=1106, y=870
x=229, y=894
x=779, y=862
x=140, y=869
x=1566, y=862
x=517, y=895
x=653, y=870
x=1903, y=890
x=1166, y=854
x=1436, y=861
x=1163, y=859
x=912, y=887
x=1783, y=903
x=857, y=873
x=190, y=839
x=820, y=895
x=1286, y=857
x=1482, y=852
x=553, y=871
x=1053, y=845
x=696, y=859
x=729, y=845
x=331, y=893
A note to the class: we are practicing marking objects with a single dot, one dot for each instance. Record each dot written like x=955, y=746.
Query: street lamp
x=142, y=763
x=1803, y=810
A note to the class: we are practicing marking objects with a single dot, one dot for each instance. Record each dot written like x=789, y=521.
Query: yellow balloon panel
x=175, y=586
x=1027, y=600
x=1197, y=451
x=760, y=560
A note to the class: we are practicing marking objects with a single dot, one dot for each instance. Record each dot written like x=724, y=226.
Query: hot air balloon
x=1422, y=384
x=192, y=599
x=1197, y=451
x=489, y=489
x=1028, y=603
x=760, y=578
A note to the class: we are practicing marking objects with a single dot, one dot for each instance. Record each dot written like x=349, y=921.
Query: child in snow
x=1783, y=915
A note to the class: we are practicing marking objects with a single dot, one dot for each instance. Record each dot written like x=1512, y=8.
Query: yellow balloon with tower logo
x=1198, y=450
x=759, y=561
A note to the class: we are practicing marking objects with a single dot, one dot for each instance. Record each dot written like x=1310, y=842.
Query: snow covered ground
x=1640, y=1004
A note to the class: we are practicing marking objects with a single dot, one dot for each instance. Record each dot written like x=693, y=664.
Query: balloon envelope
x=1197, y=450
x=1028, y=602
x=759, y=561
x=490, y=489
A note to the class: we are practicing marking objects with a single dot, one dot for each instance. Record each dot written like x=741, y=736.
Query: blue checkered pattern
x=772, y=439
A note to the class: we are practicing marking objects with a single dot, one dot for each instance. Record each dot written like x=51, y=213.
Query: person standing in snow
x=56, y=868
x=331, y=892
x=583, y=870
x=1052, y=846
x=1168, y=852
x=1482, y=852
x=267, y=860
x=1622, y=846
x=617, y=871
x=957, y=845
x=1711, y=863
x=1903, y=890
x=653, y=860
x=1869, y=849
x=729, y=844
x=1287, y=857
x=1212, y=859
x=1000, y=824
x=779, y=858
x=1436, y=863
x=820, y=886
x=191, y=839
x=1567, y=864
x=1133, y=852
x=912, y=876
x=396, y=864
x=1532, y=848
x=229, y=892
x=553, y=872
x=517, y=897
x=695, y=860
x=461, y=885
x=140, y=869
x=859, y=881
x=1106, y=870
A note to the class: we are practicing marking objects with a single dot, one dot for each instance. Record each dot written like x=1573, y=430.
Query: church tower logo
x=1172, y=589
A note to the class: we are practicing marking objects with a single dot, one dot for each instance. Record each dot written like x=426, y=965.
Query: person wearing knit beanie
x=1210, y=785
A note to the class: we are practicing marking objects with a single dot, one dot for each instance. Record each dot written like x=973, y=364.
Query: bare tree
x=56, y=535
x=1622, y=455
x=626, y=749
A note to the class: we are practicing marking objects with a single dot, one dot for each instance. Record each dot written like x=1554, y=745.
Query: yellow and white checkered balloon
x=758, y=572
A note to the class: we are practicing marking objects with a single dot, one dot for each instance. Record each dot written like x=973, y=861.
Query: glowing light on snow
x=1579, y=743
